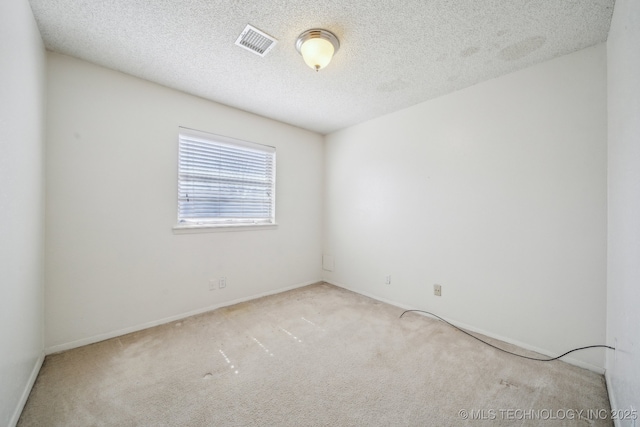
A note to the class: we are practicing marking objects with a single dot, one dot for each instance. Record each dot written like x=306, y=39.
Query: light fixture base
x=317, y=33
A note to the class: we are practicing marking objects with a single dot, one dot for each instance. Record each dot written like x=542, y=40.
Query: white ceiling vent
x=256, y=41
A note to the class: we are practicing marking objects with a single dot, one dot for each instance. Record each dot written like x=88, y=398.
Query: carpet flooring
x=314, y=356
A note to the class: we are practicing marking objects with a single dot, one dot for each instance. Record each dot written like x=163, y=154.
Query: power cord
x=501, y=349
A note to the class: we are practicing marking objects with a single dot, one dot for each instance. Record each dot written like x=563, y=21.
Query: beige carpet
x=315, y=356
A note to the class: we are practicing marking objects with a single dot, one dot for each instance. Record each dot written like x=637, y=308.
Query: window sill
x=191, y=229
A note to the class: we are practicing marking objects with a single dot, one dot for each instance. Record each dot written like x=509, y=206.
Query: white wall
x=623, y=281
x=113, y=263
x=497, y=192
x=22, y=75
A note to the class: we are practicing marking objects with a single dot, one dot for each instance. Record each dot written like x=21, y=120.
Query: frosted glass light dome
x=317, y=53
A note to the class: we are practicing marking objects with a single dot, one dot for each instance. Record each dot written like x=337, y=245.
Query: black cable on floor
x=501, y=349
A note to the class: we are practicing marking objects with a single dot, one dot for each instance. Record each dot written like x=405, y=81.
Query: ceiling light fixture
x=317, y=47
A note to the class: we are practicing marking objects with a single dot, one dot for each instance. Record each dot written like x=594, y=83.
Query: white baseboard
x=612, y=398
x=471, y=328
x=108, y=335
x=27, y=390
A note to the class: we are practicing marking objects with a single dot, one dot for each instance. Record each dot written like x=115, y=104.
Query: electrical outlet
x=437, y=290
x=222, y=283
x=387, y=280
x=212, y=285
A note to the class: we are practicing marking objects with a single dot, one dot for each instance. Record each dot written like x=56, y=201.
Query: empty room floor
x=314, y=356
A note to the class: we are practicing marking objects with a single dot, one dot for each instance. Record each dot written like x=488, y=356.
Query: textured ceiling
x=392, y=54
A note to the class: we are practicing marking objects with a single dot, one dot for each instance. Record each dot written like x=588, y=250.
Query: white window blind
x=224, y=181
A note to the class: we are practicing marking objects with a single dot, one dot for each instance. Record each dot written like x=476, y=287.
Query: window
x=224, y=181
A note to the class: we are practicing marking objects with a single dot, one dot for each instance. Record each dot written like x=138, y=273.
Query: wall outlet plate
x=222, y=283
x=437, y=290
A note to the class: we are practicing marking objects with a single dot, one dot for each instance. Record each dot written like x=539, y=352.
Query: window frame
x=212, y=224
